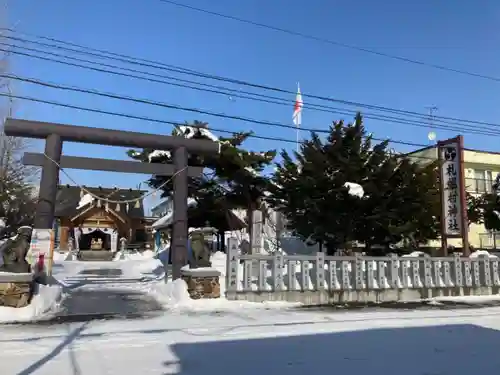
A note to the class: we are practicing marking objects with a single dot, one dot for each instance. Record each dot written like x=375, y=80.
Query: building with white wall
x=481, y=169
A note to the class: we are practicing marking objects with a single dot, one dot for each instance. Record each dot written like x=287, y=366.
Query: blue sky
x=459, y=34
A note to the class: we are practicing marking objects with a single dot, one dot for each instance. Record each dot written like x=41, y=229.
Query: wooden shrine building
x=95, y=224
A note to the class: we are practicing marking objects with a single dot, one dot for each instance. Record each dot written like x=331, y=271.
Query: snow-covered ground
x=253, y=342
x=167, y=333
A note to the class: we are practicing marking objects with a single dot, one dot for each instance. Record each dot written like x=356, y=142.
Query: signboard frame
x=449, y=147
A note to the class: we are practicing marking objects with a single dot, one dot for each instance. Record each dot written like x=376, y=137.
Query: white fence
x=319, y=279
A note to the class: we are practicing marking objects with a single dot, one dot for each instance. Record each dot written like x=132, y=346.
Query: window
x=489, y=181
x=483, y=181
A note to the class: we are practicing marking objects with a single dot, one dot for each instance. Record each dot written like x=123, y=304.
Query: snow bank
x=44, y=305
x=127, y=255
x=59, y=256
x=138, y=269
x=149, y=267
x=414, y=254
x=174, y=295
x=466, y=300
x=482, y=253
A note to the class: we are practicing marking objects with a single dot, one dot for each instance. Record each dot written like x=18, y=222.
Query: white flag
x=297, y=109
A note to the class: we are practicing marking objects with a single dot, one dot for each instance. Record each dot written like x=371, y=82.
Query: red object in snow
x=40, y=263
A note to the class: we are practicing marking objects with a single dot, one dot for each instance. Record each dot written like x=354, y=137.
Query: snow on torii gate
x=51, y=160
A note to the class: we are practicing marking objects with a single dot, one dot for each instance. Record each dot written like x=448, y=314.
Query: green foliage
x=401, y=200
x=17, y=203
x=475, y=209
x=232, y=179
x=488, y=205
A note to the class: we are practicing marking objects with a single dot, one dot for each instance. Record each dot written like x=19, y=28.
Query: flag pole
x=297, y=140
x=299, y=121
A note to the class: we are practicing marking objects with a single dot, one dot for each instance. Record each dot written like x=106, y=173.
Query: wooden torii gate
x=55, y=134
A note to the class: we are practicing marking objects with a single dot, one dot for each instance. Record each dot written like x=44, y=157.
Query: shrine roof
x=68, y=199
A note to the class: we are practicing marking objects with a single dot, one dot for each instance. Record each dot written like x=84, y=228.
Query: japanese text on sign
x=450, y=175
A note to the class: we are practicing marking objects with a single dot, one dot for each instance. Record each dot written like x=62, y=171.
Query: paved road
x=105, y=293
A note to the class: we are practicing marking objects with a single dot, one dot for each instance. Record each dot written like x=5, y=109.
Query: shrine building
x=87, y=223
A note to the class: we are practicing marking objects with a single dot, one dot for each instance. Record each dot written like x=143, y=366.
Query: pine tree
x=232, y=179
x=403, y=207
x=489, y=205
x=400, y=202
x=312, y=192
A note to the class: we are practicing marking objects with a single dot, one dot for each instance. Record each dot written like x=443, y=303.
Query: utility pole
x=431, y=136
x=431, y=109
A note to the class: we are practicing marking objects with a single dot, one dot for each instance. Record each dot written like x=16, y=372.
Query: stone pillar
x=179, y=248
x=44, y=215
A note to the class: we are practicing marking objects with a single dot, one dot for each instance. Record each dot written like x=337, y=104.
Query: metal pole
x=463, y=198
x=179, y=228
x=297, y=137
x=431, y=118
x=44, y=217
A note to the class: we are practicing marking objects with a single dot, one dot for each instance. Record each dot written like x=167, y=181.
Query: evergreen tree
x=399, y=201
x=312, y=192
x=489, y=206
x=404, y=205
x=17, y=201
x=475, y=208
x=232, y=179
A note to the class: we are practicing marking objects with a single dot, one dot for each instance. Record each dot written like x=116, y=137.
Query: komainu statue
x=200, y=250
x=14, y=250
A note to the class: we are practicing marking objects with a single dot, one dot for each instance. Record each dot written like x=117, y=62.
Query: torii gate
x=56, y=134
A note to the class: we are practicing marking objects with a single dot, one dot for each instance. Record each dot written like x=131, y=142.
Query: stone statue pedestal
x=202, y=282
x=16, y=289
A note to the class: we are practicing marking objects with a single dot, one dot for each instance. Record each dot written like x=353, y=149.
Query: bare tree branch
x=16, y=181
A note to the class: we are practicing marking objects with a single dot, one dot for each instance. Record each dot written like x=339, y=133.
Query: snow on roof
x=166, y=220
x=85, y=200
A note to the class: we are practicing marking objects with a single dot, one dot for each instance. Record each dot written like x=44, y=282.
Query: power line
x=181, y=70
x=228, y=91
x=177, y=123
x=481, y=130
x=333, y=42
x=200, y=111
x=225, y=131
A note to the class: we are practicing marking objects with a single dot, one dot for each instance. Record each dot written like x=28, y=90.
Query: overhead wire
x=211, y=113
x=159, y=65
x=235, y=93
x=225, y=131
x=106, y=199
x=473, y=131
x=334, y=42
x=173, y=123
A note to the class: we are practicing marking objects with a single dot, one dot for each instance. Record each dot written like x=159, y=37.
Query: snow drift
x=44, y=305
x=174, y=295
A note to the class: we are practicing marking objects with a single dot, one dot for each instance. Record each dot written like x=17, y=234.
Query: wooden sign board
x=454, y=223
